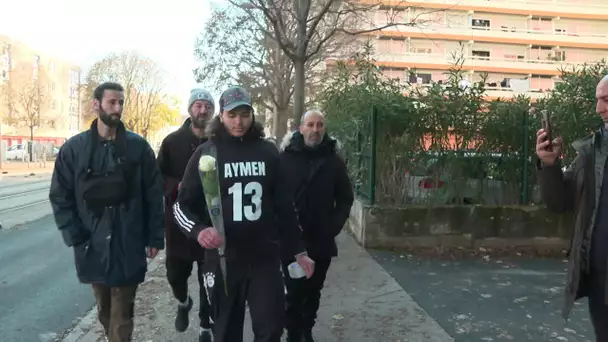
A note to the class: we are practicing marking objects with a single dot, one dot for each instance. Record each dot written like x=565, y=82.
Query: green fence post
x=372, y=170
x=525, y=155
x=358, y=152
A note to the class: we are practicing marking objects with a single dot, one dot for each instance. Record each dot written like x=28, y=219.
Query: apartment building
x=524, y=40
x=59, y=82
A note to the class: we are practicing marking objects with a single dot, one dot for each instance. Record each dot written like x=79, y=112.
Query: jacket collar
x=294, y=142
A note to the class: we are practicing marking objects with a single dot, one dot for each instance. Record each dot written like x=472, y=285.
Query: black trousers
x=598, y=310
x=260, y=285
x=304, y=296
x=178, y=273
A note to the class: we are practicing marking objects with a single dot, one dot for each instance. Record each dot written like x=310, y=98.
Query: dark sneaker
x=181, y=319
x=205, y=336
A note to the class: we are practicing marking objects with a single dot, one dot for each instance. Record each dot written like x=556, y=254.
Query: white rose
x=206, y=163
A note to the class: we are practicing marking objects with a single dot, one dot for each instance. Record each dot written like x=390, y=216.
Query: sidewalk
x=22, y=168
x=361, y=303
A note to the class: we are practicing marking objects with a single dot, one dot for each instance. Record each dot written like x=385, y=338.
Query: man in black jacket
x=174, y=154
x=323, y=198
x=106, y=194
x=254, y=194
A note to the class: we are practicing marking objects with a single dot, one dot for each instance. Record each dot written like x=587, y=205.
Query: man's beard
x=313, y=142
x=199, y=121
x=111, y=120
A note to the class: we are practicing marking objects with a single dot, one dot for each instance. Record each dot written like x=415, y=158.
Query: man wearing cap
x=182, y=253
x=254, y=197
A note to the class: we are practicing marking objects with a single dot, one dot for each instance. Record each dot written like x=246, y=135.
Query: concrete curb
x=83, y=331
x=26, y=173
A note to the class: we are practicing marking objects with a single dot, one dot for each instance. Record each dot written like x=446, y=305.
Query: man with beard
x=254, y=195
x=106, y=194
x=182, y=253
x=323, y=198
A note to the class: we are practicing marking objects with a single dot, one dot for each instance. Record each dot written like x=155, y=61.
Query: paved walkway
x=361, y=303
x=487, y=299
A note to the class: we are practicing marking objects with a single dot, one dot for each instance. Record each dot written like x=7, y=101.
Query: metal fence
x=387, y=172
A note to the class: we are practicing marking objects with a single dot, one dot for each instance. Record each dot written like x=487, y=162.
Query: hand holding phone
x=547, y=150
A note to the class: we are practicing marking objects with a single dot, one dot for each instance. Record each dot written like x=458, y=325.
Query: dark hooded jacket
x=254, y=195
x=323, y=193
x=109, y=245
x=173, y=156
x=579, y=189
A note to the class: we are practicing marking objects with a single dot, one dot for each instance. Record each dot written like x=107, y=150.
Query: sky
x=84, y=31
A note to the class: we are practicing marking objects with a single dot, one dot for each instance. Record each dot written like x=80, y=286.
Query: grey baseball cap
x=234, y=97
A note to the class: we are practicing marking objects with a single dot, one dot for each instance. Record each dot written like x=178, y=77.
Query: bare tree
x=303, y=29
x=232, y=50
x=27, y=99
x=144, y=85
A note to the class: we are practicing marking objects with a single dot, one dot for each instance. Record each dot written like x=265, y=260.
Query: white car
x=16, y=152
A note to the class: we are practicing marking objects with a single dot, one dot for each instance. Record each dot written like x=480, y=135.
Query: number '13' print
x=252, y=212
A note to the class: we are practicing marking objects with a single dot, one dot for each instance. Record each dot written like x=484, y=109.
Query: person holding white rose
x=259, y=220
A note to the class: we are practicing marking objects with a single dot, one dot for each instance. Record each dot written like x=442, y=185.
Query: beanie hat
x=200, y=94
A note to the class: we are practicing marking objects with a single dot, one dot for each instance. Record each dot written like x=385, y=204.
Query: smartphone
x=546, y=123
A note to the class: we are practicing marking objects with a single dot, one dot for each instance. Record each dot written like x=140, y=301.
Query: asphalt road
x=40, y=296
x=516, y=299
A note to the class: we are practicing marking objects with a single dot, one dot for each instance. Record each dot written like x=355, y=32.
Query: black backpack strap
x=120, y=149
x=304, y=185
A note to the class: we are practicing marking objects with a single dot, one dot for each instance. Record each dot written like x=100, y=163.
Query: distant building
x=527, y=40
x=60, y=82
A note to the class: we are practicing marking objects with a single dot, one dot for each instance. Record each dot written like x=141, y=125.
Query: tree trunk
x=31, y=147
x=299, y=93
x=279, y=123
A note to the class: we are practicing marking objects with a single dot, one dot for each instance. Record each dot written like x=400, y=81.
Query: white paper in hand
x=296, y=271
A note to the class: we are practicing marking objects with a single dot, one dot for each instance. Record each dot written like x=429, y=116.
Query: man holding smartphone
x=583, y=189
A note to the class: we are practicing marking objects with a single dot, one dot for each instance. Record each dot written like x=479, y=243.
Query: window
x=480, y=24
x=558, y=56
x=74, y=78
x=481, y=54
x=421, y=50
x=420, y=78
x=560, y=31
x=541, y=47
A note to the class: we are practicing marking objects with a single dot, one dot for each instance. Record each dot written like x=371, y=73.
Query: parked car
x=16, y=152
x=465, y=178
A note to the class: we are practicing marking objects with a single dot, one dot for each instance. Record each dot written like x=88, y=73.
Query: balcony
x=583, y=9
x=497, y=92
x=489, y=64
x=589, y=40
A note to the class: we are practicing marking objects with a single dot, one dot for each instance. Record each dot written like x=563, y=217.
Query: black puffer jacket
x=109, y=247
x=323, y=191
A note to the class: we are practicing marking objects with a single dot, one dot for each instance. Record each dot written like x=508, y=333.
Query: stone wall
x=459, y=226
